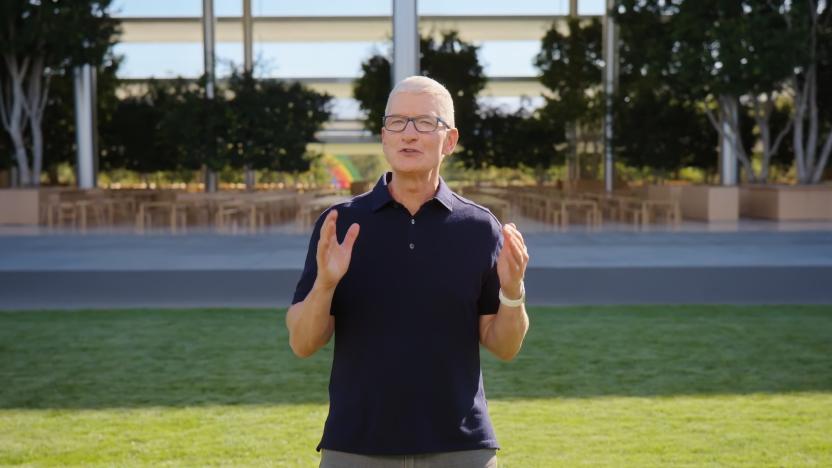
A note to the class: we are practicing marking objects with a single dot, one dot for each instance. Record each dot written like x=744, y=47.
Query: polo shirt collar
x=381, y=193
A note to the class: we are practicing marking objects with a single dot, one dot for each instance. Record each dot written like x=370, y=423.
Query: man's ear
x=450, y=141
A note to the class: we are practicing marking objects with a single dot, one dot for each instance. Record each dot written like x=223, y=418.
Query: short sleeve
x=489, y=300
x=310, y=267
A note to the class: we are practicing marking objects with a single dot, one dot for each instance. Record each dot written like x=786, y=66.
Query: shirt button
x=412, y=221
x=412, y=246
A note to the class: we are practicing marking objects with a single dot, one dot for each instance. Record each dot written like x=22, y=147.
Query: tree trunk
x=35, y=104
x=250, y=178
x=572, y=161
x=12, y=112
x=762, y=117
x=729, y=114
x=37, y=154
x=805, y=139
x=52, y=174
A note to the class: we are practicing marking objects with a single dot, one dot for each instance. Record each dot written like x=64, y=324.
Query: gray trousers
x=482, y=458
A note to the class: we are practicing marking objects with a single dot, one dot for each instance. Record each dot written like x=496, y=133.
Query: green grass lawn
x=594, y=386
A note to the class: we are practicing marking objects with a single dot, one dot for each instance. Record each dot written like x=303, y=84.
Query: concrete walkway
x=745, y=263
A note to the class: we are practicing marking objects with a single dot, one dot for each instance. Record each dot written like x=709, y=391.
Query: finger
x=349, y=238
x=512, y=228
x=515, y=234
x=517, y=252
x=509, y=255
x=327, y=233
x=522, y=248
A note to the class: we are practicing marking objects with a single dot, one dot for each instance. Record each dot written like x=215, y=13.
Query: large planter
x=665, y=192
x=787, y=202
x=710, y=203
x=19, y=206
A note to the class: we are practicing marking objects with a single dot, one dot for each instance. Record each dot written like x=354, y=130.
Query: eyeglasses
x=422, y=123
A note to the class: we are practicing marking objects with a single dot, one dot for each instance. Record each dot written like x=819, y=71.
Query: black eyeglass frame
x=413, y=119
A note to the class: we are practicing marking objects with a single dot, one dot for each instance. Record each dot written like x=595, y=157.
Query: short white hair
x=425, y=85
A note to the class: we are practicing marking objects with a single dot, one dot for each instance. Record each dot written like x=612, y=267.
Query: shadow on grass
x=106, y=359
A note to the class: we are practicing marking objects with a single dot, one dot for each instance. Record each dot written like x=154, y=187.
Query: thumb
x=349, y=238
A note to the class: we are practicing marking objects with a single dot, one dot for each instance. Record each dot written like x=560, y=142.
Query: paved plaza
x=746, y=262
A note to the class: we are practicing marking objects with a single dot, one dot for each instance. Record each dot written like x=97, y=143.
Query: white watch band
x=514, y=302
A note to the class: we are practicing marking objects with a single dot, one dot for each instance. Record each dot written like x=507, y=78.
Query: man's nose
x=410, y=130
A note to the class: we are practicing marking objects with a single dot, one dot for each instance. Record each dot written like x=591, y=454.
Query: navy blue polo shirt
x=406, y=373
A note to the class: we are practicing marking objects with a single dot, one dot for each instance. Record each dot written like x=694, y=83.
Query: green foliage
x=40, y=40
x=505, y=139
x=265, y=124
x=677, y=58
x=454, y=63
x=59, y=136
x=450, y=61
x=371, y=90
x=653, y=130
x=570, y=66
x=726, y=47
x=62, y=33
x=134, y=135
x=271, y=123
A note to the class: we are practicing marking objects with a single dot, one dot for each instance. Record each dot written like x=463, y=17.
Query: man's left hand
x=511, y=264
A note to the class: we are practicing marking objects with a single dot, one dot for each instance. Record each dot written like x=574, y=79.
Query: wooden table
x=500, y=207
x=316, y=206
x=145, y=209
x=591, y=207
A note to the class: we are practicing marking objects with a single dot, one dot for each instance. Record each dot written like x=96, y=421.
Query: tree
x=812, y=21
x=520, y=138
x=59, y=137
x=197, y=127
x=134, y=137
x=271, y=122
x=450, y=61
x=38, y=40
x=656, y=125
x=570, y=67
x=728, y=50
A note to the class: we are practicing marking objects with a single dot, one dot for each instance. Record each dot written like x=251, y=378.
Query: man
x=430, y=277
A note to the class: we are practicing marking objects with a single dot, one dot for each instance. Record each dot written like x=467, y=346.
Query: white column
x=248, y=54
x=208, y=27
x=610, y=82
x=405, y=40
x=84, y=90
x=727, y=145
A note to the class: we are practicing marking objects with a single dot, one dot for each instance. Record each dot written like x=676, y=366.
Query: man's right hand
x=333, y=258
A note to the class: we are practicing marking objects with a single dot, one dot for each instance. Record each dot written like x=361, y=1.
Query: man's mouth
x=410, y=151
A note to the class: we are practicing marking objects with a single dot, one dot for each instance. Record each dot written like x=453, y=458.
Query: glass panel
x=346, y=109
x=169, y=60
x=493, y=7
x=512, y=103
x=592, y=7
x=173, y=9
x=509, y=58
x=313, y=59
x=321, y=8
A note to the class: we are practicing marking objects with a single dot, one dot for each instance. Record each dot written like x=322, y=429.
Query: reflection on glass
x=493, y=7
x=321, y=8
x=591, y=7
x=170, y=60
x=174, y=9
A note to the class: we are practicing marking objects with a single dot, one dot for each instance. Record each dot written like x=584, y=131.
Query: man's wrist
x=323, y=287
x=513, y=297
